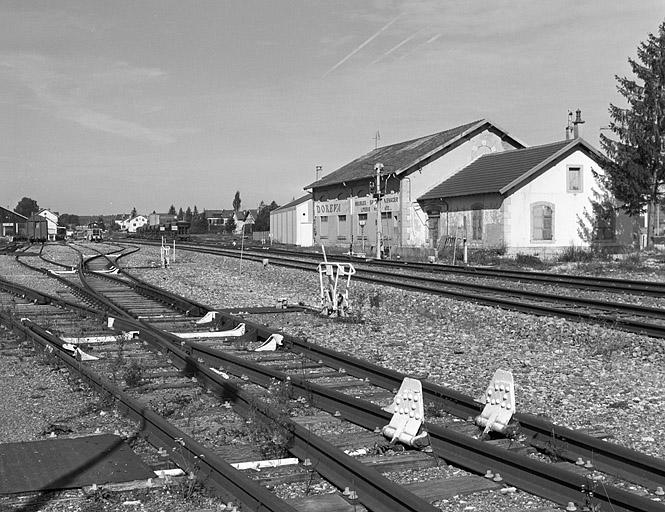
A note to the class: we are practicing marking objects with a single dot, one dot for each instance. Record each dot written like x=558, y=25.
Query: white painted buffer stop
x=499, y=403
x=408, y=415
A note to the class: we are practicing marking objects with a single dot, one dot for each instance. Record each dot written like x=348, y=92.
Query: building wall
x=293, y=225
x=404, y=223
x=569, y=207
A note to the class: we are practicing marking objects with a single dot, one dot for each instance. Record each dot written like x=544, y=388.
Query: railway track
x=631, y=317
x=370, y=415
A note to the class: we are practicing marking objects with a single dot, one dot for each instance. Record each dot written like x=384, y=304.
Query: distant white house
x=244, y=219
x=52, y=222
x=292, y=223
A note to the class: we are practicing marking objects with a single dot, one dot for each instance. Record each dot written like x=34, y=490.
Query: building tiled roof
x=500, y=172
x=7, y=215
x=403, y=156
x=295, y=202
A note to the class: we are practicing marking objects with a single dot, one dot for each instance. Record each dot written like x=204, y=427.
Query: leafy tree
x=262, y=222
x=26, y=207
x=199, y=224
x=236, y=202
x=172, y=210
x=188, y=214
x=181, y=214
x=69, y=219
x=636, y=174
x=133, y=214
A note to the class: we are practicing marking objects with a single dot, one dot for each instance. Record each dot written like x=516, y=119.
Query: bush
x=574, y=253
x=528, y=260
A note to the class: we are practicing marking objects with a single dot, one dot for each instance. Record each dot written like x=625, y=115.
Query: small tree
x=172, y=210
x=181, y=214
x=26, y=207
x=188, y=214
x=237, y=202
x=636, y=174
x=133, y=214
x=262, y=222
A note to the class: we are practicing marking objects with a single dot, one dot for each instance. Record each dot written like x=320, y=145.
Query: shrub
x=574, y=253
x=133, y=374
x=528, y=260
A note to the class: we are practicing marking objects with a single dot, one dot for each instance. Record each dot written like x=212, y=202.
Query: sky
x=106, y=106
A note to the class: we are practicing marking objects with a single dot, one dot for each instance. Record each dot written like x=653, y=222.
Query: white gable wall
x=415, y=231
x=293, y=225
x=551, y=187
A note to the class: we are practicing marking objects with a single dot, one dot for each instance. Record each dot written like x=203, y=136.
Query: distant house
x=217, y=217
x=11, y=223
x=292, y=223
x=52, y=222
x=345, y=205
x=245, y=220
x=537, y=200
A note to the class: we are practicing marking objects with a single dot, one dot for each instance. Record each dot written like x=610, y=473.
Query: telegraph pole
x=378, y=168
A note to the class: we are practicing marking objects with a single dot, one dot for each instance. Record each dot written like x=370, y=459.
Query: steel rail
x=542, y=479
x=542, y=433
x=635, y=326
x=375, y=491
x=599, y=283
x=570, y=444
x=212, y=469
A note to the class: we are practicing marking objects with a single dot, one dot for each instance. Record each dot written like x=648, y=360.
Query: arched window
x=542, y=221
x=477, y=221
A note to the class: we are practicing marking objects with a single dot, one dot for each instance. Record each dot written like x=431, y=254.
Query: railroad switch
x=408, y=415
x=499, y=403
x=271, y=344
x=334, y=299
x=78, y=353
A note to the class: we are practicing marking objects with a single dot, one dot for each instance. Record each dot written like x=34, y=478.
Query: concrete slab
x=68, y=463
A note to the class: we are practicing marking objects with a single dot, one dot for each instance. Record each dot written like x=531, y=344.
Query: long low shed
x=292, y=223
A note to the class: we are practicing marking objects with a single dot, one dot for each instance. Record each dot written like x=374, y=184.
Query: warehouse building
x=345, y=207
x=292, y=223
x=11, y=223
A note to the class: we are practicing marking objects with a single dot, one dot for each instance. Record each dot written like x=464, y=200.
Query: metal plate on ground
x=68, y=463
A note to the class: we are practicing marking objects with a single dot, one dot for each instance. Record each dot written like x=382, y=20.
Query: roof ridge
x=430, y=135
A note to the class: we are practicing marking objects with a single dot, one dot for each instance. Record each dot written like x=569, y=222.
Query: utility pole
x=378, y=168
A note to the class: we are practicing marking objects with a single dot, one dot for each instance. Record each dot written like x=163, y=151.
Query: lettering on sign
x=337, y=207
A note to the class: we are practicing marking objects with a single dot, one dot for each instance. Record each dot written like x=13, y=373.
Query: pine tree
x=636, y=173
x=181, y=214
x=172, y=210
x=133, y=214
x=188, y=214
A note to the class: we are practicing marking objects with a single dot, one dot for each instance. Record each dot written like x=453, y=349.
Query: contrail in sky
x=419, y=46
x=362, y=45
x=398, y=45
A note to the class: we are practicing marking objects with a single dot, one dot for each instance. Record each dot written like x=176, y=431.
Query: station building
x=345, y=209
x=538, y=200
x=292, y=223
x=11, y=223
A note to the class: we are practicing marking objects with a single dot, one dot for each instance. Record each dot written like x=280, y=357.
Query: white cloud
x=83, y=92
